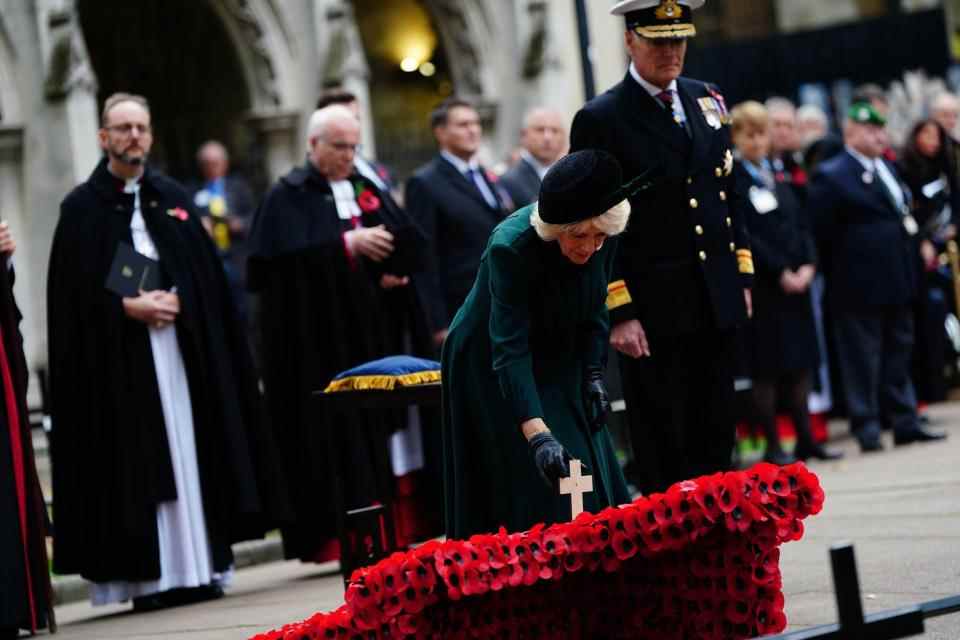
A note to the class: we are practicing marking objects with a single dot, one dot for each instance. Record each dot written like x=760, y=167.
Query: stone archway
x=216, y=69
x=183, y=63
x=471, y=48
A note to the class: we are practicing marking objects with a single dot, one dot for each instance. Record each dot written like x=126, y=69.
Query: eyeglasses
x=128, y=128
x=343, y=147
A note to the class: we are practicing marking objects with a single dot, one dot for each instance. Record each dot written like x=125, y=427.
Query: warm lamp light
x=427, y=69
x=409, y=64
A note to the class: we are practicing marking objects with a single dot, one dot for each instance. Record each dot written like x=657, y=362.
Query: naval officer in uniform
x=682, y=278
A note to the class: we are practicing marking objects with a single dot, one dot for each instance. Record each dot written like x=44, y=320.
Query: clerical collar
x=126, y=185
x=461, y=165
x=649, y=87
x=540, y=168
x=345, y=197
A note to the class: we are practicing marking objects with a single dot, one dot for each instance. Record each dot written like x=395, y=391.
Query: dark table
x=373, y=524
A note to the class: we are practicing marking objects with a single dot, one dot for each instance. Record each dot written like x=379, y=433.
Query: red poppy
x=179, y=213
x=555, y=542
x=791, y=529
x=474, y=582
x=707, y=496
x=799, y=176
x=731, y=491
x=727, y=585
x=624, y=546
x=368, y=202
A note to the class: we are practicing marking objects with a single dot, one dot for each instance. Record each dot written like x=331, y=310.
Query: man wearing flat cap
x=682, y=277
x=869, y=246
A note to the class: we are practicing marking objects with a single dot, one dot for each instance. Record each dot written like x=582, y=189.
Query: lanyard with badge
x=763, y=199
x=909, y=222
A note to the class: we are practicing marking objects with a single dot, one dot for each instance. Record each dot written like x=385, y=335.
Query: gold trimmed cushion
x=386, y=374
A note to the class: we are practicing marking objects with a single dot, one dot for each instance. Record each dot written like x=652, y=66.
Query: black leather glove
x=550, y=458
x=595, y=399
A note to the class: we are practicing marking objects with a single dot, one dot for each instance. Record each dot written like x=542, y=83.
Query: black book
x=132, y=272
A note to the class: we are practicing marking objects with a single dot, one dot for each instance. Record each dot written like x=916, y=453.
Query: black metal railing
x=902, y=622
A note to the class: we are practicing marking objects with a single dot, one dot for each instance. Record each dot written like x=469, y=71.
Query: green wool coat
x=517, y=349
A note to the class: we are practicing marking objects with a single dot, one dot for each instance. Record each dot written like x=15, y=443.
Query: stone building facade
x=58, y=57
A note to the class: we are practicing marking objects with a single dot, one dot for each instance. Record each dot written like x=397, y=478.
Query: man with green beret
x=868, y=239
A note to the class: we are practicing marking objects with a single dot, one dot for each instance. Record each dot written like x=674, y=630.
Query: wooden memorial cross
x=576, y=485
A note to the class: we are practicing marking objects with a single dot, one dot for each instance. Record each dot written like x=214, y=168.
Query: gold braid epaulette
x=617, y=295
x=745, y=261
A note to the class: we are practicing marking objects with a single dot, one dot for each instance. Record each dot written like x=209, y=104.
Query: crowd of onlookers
x=861, y=281
x=338, y=265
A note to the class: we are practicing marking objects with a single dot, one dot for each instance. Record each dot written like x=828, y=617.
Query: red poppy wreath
x=699, y=561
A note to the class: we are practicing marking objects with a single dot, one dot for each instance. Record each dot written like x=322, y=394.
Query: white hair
x=812, y=113
x=944, y=100
x=322, y=118
x=612, y=222
x=778, y=103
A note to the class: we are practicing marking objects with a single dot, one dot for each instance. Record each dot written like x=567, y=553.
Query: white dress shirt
x=877, y=167
x=678, y=113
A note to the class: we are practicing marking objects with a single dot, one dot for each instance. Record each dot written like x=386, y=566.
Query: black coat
x=685, y=256
x=322, y=312
x=782, y=332
x=868, y=258
x=111, y=460
x=25, y=596
x=522, y=182
x=457, y=221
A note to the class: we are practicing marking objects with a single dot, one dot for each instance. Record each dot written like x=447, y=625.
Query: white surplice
x=185, y=558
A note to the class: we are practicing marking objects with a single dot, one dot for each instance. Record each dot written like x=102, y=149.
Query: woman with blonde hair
x=782, y=335
x=523, y=388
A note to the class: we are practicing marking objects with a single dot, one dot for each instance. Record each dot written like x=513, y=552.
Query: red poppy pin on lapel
x=178, y=213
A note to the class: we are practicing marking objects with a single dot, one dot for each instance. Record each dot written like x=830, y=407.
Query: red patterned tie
x=666, y=97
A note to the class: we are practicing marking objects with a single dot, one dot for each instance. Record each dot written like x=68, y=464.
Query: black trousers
x=681, y=407
x=874, y=350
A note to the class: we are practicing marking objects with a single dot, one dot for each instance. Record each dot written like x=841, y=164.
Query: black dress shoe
x=9, y=633
x=819, y=452
x=918, y=435
x=870, y=445
x=152, y=602
x=203, y=593
x=779, y=458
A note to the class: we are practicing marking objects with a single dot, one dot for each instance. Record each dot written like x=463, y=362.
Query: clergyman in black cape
x=155, y=406
x=327, y=250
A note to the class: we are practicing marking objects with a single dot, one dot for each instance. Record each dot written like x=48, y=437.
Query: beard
x=126, y=158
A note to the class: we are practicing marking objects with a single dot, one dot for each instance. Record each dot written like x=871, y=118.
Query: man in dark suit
x=684, y=269
x=457, y=203
x=225, y=204
x=869, y=242
x=543, y=141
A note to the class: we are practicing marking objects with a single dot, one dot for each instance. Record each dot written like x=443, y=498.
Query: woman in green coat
x=522, y=364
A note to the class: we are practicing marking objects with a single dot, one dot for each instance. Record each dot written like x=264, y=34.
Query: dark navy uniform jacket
x=869, y=259
x=685, y=257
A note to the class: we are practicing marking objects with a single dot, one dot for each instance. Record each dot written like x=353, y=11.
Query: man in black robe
x=326, y=247
x=25, y=601
x=122, y=433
